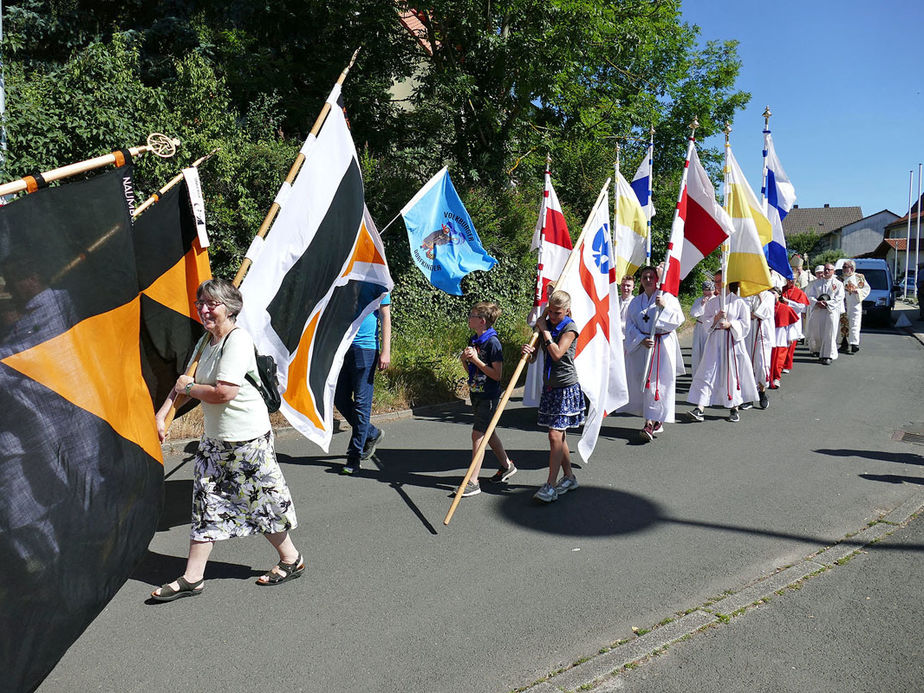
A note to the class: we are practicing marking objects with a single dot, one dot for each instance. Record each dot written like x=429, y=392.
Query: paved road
x=510, y=592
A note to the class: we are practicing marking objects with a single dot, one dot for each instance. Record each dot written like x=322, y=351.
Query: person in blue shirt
x=353, y=396
x=484, y=359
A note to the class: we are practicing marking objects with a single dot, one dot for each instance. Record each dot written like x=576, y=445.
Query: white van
x=878, y=305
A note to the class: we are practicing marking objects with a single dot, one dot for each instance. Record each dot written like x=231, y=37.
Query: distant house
x=862, y=238
x=819, y=220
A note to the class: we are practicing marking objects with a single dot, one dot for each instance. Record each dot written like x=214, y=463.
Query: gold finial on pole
x=693, y=126
x=617, y=155
x=727, y=131
x=767, y=115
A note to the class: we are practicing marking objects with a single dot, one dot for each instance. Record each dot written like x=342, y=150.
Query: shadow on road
x=878, y=455
x=590, y=511
x=893, y=478
x=159, y=568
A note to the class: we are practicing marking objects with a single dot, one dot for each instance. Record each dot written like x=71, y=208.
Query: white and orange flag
x=321, y=271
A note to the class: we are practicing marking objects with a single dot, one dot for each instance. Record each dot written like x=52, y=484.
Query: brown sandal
x=187, y=589
x=290, y=571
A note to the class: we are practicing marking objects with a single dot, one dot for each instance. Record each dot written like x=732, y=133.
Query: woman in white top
x=238, y=488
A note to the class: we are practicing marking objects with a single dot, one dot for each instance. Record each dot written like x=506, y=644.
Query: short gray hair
x=224, y=291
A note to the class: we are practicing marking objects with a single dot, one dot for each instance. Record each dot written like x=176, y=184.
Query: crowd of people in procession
x=741, y=348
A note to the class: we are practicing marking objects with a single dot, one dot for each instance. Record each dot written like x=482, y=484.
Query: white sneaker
x=568, y=483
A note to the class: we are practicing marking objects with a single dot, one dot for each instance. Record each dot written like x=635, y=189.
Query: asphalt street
x=512, y=594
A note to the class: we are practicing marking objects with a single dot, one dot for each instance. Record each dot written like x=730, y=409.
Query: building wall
x=864, y=236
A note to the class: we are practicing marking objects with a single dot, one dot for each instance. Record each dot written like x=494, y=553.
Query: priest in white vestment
x=826, y=303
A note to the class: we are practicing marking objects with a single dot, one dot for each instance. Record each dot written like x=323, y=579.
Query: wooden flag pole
x=173, y=181
x=667, y=258
x=158, y=144
x=261, y=233
x=569, y=263
x=293, y=172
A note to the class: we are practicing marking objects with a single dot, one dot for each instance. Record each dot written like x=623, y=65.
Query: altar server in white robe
x=725, y=376
x=760, y=342
x=826, y=303
x=701, y=330
x=657, y=375
x=856, y=289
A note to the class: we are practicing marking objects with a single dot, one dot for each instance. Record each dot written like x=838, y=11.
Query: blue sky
x=843, y=82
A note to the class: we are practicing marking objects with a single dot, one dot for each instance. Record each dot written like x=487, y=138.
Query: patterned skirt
x=561, y=408
x=239, y=490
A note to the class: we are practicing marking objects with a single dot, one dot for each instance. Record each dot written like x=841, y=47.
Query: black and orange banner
x=81, y=472
x=171, y=264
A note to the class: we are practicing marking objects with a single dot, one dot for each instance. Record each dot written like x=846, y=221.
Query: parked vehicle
x=909, y=283
x=881, y=300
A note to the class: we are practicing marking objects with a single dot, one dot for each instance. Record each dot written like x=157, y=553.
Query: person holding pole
x=238, y=487
x=484, y=359
x=562, y=403
x=725, y=376
x=651, y=346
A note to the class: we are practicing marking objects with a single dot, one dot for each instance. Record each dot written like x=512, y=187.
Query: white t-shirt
x=245, y=417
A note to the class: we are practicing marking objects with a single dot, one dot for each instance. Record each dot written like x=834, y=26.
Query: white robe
x=762, y=335
x=853, y=303
x=657, y=401
x=823, y=323
x=725, y=377
x=623, y=308
x=700, y=332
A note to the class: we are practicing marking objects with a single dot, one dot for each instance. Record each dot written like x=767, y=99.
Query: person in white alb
x=725, y=376
x=761, y=340
x=701, y=330
x=652, y=381
x=626, y=287
x=856, y=289
x=826, y=301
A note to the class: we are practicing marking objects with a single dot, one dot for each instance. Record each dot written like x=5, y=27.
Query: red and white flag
x=700, y=225
x=553, y=242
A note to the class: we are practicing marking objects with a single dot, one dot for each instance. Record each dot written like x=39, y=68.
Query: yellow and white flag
x=747, y=264
x=630, y=229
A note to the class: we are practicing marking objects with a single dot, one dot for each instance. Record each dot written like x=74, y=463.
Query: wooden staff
x=261, y=232
x=158, y=144
x=572, y=258
x=173, y=181
x=293, y=172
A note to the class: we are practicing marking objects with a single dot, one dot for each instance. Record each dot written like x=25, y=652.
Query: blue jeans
x=353, y=397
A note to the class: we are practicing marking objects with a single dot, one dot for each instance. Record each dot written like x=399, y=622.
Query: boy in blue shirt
x=484, y=359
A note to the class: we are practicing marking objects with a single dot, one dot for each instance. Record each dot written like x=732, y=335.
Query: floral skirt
x=239, y=490
x=561, y=407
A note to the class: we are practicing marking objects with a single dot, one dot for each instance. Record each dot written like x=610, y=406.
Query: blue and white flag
x=444, y=243
x=641, y=184
x=780, y=197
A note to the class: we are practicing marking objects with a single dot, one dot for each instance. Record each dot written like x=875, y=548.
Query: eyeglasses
x=211, y=304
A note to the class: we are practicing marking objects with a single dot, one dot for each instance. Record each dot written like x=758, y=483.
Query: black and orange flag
x=171, y=264
x=81, y=472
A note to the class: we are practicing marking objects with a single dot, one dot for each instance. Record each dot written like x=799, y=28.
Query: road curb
x=595, y=671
